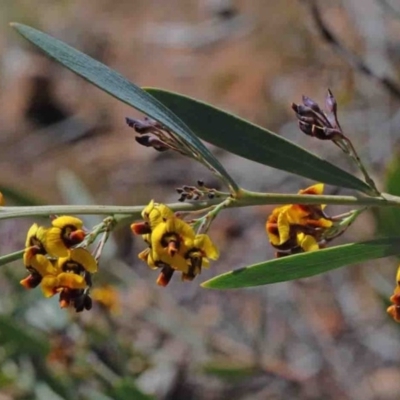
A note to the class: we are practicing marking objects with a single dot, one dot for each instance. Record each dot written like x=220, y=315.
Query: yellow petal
x=283, y=227
x=180, y=227
x=204, y=243
x=155, y=213
x=146, y=210
x=307, y=242
x=71, y=281
x=316, y=189
x=49, y=285
x=322, y=222
x=28, y=254
x=43, y=266
x=271, y=228
x=157, y=235
x=53, y=243
x=82, y=257
x=177, y=262
x=31, y=234
x=147, y=258
x=186, y=235
x=67, y=220
x=296, y=213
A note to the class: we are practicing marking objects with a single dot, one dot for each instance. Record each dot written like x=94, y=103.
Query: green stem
x=210, y=216
x=244, y=199
x=354, y=155
x=11, y=257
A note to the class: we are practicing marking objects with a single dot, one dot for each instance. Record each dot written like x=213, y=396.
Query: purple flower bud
x=330, y=102
x=311, y=103
x=141, y=126
x=306, y=128
x=151, y=141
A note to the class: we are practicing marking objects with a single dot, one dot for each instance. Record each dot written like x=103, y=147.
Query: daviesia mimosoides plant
x=62, y=256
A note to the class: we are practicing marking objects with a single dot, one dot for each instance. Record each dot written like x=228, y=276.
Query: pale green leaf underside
x=305, y=264
x=250, y=141
x=118, y=86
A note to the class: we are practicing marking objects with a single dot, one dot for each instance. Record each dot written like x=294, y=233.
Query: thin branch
x=245, y=198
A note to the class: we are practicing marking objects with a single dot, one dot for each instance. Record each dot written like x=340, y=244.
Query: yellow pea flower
x=69, y=274
x=170, y=241
x=295, y=226
x=33, y=245
x=155, y=213
x=66, y=232
x=197, y=257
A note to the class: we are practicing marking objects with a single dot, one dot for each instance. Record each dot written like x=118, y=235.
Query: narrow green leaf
x=388, y=219
x=253, y=142
x=11, y=257
x=118, y=86
x=305, y=264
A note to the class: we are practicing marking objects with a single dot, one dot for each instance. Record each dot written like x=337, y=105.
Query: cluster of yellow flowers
x=295, y=228
x=173, y=244
x=53, y=261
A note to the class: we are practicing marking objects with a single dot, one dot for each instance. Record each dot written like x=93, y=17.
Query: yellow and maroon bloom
x=155, y=213
x=33, y=243
x=39, y=267
x=33, y=256
x=173, y=244
x=71, y=277
x=175, y=247
x=198, y=256
x=170, y=242
x=66, y=232
x=297, y=227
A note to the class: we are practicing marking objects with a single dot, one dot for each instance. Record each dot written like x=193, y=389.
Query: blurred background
x=63, y=141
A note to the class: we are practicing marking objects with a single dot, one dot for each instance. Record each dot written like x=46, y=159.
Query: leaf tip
x=205, y=285
x=16, y=25
x=211, y=283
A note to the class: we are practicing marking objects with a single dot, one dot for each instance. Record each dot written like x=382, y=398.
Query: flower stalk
x=244, y=198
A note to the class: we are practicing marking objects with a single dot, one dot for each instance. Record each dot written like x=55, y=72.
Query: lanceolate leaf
x=305, y=264
x=115, y=84
x=388, y=218
x=253, y=142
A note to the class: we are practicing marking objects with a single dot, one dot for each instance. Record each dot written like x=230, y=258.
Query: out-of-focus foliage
x=388, y=219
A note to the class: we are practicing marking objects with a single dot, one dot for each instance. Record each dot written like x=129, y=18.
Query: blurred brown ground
x=326, y=337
